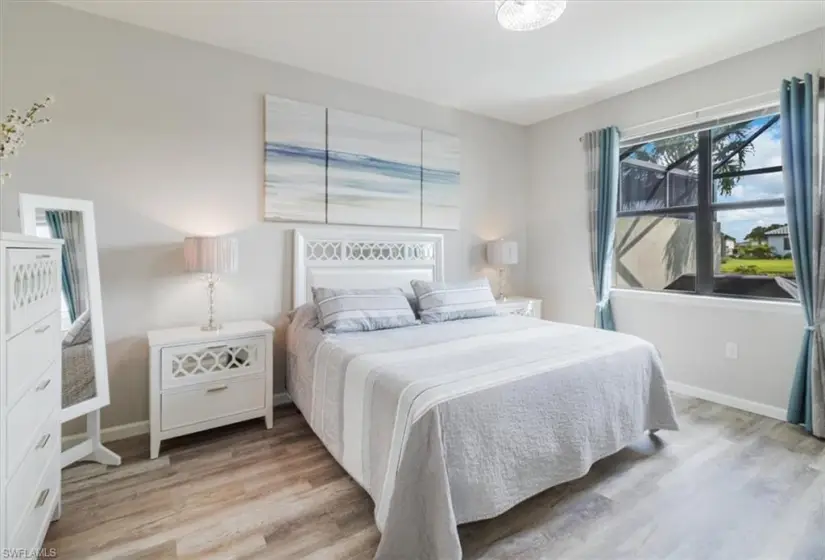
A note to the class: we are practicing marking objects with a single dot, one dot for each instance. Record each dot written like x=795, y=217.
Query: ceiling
x=454, y=53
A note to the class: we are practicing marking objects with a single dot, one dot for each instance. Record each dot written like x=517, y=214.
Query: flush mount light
x=526, y=15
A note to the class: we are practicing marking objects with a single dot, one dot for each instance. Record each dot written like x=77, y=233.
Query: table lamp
x=211, y=256
x=501, y=253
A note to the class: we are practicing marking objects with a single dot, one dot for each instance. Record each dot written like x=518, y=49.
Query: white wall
x=777, y=243
x=690, y=336
x=165, y=136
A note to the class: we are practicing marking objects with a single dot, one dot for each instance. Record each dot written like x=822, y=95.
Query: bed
x=448, y=423
x=78, y=373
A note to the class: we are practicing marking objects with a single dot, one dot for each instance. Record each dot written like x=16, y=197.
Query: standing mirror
x=84, y=367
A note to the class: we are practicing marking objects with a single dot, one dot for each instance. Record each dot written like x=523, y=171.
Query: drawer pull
x=43, y=256
x=216, y=389
x=41, y=330
x=218, y=347
x=42, y=499
x=43, y=384
x=43, y=441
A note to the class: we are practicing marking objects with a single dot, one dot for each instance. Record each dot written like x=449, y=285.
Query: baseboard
x=728, y=400
x=139, y=428
x=280, y=399
x=111, y=434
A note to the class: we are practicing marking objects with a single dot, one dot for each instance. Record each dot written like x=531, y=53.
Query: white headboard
x=347, y=258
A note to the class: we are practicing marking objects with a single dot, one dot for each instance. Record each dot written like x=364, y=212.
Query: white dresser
x=200, y=380
x=30, y=373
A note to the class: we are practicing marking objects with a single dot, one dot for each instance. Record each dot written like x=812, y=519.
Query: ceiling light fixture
x=526, y=15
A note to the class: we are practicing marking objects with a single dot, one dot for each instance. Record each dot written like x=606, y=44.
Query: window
x=43, y=230
x=704, y=212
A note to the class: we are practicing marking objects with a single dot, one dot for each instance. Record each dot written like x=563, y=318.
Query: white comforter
x=456, y=422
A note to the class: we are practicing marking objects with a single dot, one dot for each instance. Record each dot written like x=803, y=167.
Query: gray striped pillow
x=362, y=310
x=439, y=301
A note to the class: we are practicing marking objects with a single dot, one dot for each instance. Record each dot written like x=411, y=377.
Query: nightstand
x=199, y=380
x=518, y=305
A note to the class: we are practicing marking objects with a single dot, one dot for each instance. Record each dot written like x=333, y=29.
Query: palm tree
x=730, y=145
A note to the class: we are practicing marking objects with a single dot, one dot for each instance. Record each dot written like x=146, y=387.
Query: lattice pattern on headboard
x=365, y=250
x=363, y=258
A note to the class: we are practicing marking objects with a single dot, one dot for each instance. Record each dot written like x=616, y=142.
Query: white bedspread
x=456, y=422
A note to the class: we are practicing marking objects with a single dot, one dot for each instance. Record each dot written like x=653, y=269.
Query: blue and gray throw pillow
x=440, y=301
x=362, y=310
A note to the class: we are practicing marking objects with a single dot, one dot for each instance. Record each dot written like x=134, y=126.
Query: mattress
x=448, y=423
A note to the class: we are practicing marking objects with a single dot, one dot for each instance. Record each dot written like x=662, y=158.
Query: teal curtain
x=602, y=150
x=801, y=167
x=70, y=287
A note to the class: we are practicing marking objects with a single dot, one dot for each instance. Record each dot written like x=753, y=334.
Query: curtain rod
x=697, y=111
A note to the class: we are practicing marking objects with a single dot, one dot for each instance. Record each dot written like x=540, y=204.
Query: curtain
x=602, y=149
x=68, y=226
x=802, y=168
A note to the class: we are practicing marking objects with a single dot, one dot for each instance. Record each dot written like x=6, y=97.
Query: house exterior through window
x=702, y=210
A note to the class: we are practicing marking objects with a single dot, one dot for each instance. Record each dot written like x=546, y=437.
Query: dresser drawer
x=191, y=364
x=24, y=482
x=211, y=401
x=25, y=420
x=37, y=513
x=29, y=354
x=33, y=286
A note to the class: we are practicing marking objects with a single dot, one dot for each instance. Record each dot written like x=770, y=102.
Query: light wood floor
x=730, y=485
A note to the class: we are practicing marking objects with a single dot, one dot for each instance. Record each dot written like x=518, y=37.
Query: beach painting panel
x=441, y=181
x=295, y=161
x=374, y=171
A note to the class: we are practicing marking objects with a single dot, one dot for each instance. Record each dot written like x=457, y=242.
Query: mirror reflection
x=75, y=320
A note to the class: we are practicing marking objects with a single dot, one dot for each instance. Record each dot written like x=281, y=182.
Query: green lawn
x=773, y=267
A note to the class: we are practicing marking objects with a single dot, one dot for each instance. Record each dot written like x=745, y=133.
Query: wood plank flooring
x=730, y=485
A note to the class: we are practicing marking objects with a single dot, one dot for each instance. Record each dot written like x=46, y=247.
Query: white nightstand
x=518, y=305
x=200, y=380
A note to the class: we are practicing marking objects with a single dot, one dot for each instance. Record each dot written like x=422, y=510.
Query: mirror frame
x=29, y=203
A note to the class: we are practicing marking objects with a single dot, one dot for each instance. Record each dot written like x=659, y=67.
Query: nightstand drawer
x=200, y=363
x=210, y=401
x=200, y=380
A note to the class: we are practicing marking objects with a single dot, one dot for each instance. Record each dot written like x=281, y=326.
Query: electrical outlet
x=732, y=350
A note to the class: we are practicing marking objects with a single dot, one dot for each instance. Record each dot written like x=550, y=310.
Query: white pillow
x=80, y=332
x=440, y=301
x=362, y=310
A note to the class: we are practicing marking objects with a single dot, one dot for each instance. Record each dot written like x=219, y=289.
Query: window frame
x=705, y=208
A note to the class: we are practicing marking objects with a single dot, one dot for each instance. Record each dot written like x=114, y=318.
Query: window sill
x=716, y=302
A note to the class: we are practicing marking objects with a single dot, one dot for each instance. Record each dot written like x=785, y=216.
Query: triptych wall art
x=330, y=166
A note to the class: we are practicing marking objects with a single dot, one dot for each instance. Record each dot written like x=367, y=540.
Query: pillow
x=440, y=301
x=413, y=301
x=362, y=310
x=305, y=316
x=80, y=332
